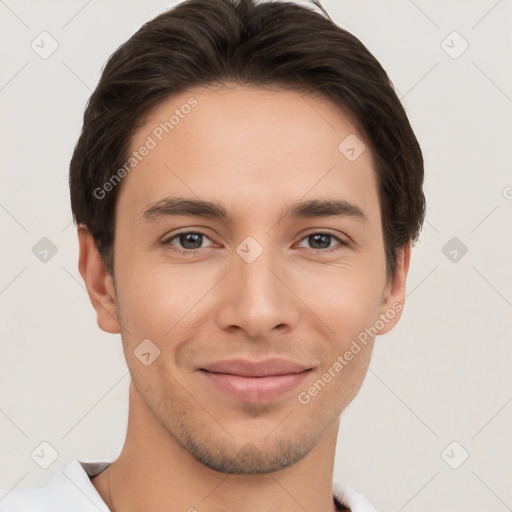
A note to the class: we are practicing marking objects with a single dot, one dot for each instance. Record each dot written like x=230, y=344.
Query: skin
x=255, y=151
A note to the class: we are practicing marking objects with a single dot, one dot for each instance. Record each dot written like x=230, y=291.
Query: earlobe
x=98, y=282
x=394, y=299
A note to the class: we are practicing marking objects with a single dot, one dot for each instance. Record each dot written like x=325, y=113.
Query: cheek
x=345, y=297
x=155, y=301
x=348, y=309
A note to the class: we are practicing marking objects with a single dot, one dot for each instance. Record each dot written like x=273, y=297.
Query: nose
x=257, y=296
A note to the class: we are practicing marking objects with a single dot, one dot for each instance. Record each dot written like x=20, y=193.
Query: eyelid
x=168, y=238
x=326, y=231
x=344, y=240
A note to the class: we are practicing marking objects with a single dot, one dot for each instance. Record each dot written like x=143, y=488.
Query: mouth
x=255, y=381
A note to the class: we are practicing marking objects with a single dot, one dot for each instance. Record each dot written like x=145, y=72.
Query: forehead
x=243, y=145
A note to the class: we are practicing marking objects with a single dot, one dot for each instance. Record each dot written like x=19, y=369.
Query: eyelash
x=167, y=242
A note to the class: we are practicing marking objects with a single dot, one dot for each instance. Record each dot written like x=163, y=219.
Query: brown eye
x=322, y=242
x=189, y=241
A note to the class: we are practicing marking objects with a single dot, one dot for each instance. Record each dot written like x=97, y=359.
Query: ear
x=100, y=286
x=393, y=298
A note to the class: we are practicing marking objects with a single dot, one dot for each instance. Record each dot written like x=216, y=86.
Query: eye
x=321, y=242
x=192, y=241
x=189, y=240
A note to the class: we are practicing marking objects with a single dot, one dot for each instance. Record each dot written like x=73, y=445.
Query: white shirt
x=71, y=490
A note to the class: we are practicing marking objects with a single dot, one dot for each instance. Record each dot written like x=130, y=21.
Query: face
x=258, y=277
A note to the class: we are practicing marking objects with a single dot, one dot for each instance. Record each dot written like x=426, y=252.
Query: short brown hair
x=202, y=42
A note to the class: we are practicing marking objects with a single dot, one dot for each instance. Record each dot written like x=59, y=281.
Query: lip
x=255, y=381
x=265, y=368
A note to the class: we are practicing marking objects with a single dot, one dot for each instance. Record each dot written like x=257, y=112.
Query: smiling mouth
x=255, y=388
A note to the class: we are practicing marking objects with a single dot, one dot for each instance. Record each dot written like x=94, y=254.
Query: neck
x=153, y=471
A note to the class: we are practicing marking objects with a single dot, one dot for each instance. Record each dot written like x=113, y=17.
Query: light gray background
x=442, y=375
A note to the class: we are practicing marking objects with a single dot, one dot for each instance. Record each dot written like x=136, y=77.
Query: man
x=247, y=188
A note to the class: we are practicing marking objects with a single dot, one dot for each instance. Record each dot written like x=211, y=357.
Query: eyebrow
x=180, y=206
